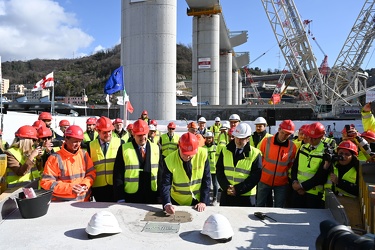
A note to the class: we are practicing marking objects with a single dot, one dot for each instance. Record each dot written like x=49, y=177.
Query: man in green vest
x=137, y=168
x=90, y=134
x=169, y=140
x=103, y=152
x=186, y=177
x=238, y=169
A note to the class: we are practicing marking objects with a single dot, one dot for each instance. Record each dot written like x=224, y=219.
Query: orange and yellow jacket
x=63, y=170
x=276, y=161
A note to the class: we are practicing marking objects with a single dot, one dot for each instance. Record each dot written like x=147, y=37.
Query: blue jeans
x=263, y=191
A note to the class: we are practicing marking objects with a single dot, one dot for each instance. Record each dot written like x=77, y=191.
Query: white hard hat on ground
x=260, y=120
x=242, y=130
x=217, y=119
x=234, y=117
x=217, y=227
x=202, y=119
x=102, y=223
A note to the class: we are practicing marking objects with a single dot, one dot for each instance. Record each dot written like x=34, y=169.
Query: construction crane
x=252, y=85
x=344, y=82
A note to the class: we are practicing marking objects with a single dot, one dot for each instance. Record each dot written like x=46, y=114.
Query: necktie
x=143, y=153
x=238, y=152
x=104, y=148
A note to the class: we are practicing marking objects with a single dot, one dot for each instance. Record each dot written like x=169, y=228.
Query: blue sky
x=72, y=28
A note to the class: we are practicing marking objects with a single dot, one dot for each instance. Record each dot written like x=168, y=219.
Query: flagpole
x=1, y=96
x=125, y=109
x=53, y=100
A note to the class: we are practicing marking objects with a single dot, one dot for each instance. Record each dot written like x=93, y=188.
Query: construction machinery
x=338, y=87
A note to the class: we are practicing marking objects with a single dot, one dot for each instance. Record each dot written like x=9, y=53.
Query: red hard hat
x=344, y=132
x=44, y=132
x=192, y=125
x=144, y=112
x=349, y=145
x=315, y=130
x=104, y=124
x=368, y=134
x=39, y=123
x=171, y=125
x=303, y=128
x=140, y=127
x=287, y=126
x=130, y=126
x=231, y=130
x=188, y=144
x=154, y=122
x=26, y=132
x=45, y=116
x=117, y=121
x=74, y=131
x=91, y=121
x=64, y=123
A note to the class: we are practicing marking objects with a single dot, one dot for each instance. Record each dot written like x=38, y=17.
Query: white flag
x=46, y=82
x=194, y=101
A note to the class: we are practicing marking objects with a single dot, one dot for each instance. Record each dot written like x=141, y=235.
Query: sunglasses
x=171, y=128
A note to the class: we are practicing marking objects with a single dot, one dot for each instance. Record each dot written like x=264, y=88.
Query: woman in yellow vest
x=22, y=167
x=210, y=146
x=238, y=169
x=186, y=178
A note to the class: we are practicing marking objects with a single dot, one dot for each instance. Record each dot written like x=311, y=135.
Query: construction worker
x=151, y=134
x=157, y=132
x=216, y=128
x=238, y=169
x=90, y=133
x=136, y=175
x=44, y=135
x=299, y=140
x=278, y=153
x=310, y=169
x=169, y=140
x=350, y=133
x=119, y=131
x=369, y=136
x=103, y=151
x=46, y=117
x=210, y=146
x=260, y=131
x=193, y=128
x=223, y=138
x=144, y=116
x=186, y=178
x=234, y=120
x=3, y=144
x=368, y=120
x=69, y=172
x=22, y=167
x=202, y=126
x=129, y=128
x=63, y=124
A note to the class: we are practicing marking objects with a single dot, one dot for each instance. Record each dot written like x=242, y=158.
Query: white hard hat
x=152, y=127
x=242, y=130
x=225, y=125
x=260, y=120
x=202, y=119
x=217, y=119
x=234, y=117
x=208, y=134
x=102, y=222
x=217, y=227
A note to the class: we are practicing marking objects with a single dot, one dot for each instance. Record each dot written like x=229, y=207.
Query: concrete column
x=240, y=94
x=225, y=84
x=206, y=38
x=148, y=54
x=235, y=87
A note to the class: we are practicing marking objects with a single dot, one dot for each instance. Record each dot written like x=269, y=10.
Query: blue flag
x=115, y=82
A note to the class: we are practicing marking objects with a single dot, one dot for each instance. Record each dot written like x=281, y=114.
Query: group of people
x=108, y=163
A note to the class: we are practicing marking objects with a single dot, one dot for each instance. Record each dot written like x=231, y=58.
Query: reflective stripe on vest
x=276, y=160
x=70, y=178
x=168, y=146
x=13, y=179
x=242, y=170
x=308, y=165
x=132, y=167
x=104, y=164
x=211, y=152
x=183, y=190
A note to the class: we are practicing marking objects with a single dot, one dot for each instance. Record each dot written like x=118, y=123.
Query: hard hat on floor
x=101, y=224
x=217, y=227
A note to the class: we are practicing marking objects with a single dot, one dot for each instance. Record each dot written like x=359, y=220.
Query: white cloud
x=39, y=29
x=98, y=48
